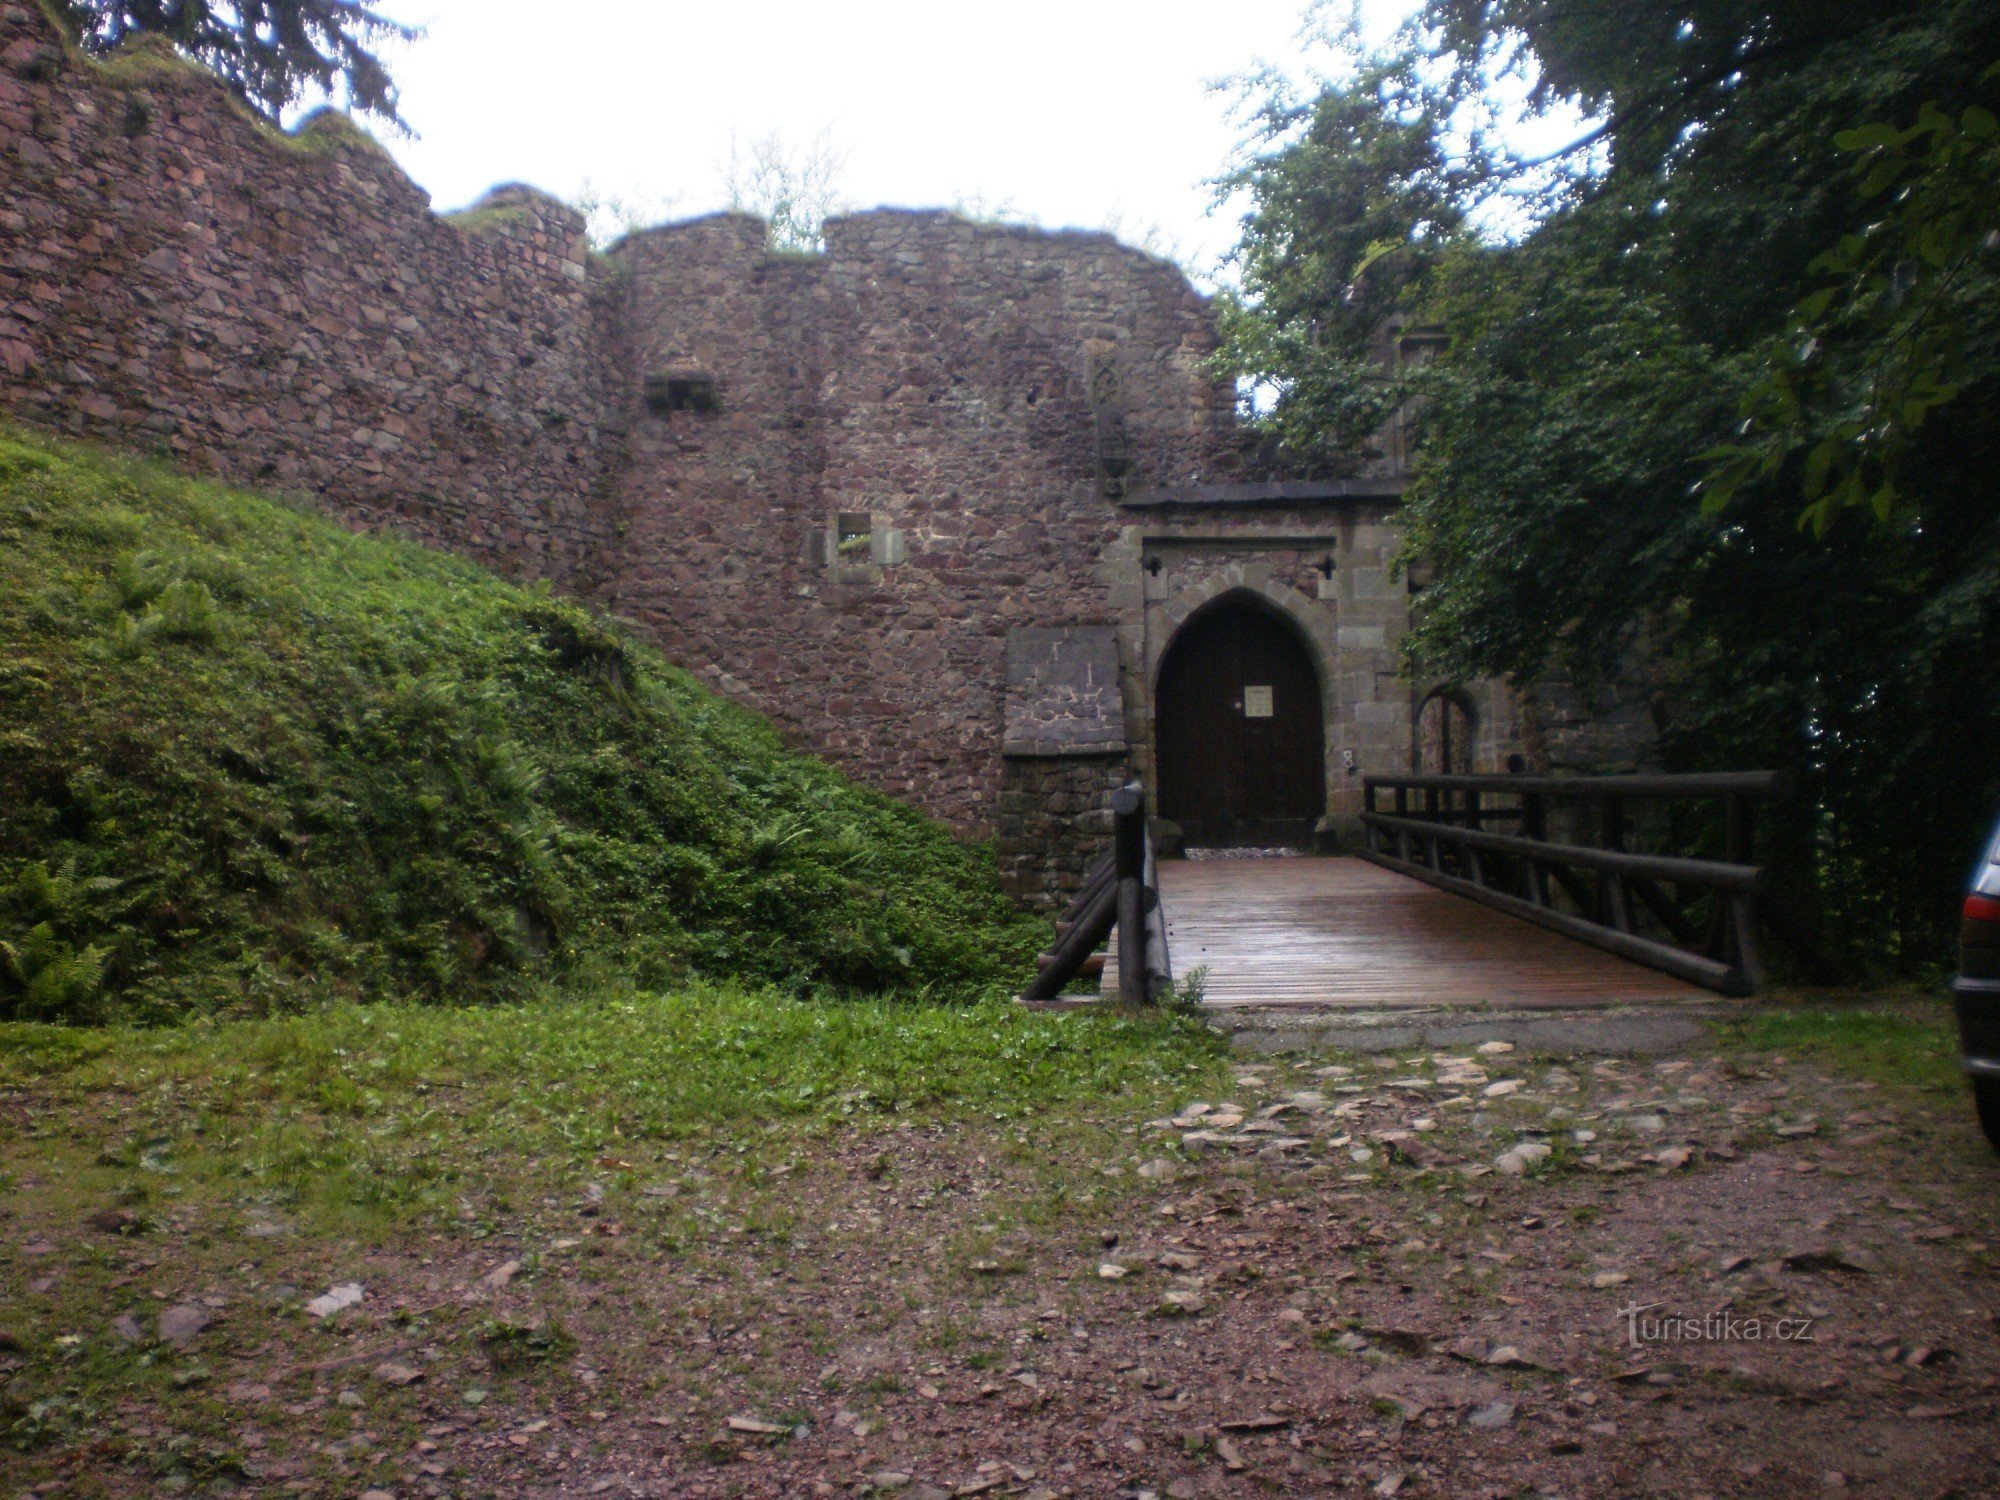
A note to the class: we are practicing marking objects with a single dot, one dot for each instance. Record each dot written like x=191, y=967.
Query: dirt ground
x=1414, y=1275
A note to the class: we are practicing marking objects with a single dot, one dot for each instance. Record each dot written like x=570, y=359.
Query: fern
x=67, y=985
x=156, y=600
x=187, y=612
x=44, y=974
x=138, y=578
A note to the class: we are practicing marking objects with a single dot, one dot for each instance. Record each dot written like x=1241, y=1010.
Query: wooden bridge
x=1439, y=909
x=1341, y=932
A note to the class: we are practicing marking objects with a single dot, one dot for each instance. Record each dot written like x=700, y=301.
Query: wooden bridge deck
x=1345, y=933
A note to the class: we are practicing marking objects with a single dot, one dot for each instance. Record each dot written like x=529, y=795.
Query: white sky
x=1090, y=113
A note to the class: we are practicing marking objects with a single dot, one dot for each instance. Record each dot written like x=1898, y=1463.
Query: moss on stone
x=498, y=218
x=328, y=131
x=64, y=30
x=148, y=59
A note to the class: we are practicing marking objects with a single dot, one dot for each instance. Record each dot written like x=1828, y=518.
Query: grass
x=252, y=764
x=714, y=1129
x=400, y=1112
x=1903, y=1041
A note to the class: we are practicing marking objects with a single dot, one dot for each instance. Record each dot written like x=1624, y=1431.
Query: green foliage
x=319, y=766
x=1185, y=996
x=1869, y=357
x=1600, y=351
x=514, y=1346
x=271, y=53
x=50, y=969
x=1352, y=200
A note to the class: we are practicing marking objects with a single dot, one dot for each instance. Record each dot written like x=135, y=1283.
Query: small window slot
x=682, y=391
x=854, y=536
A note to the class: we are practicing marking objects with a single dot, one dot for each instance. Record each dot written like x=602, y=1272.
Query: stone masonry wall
x=286, y=312
x=926, y=378
x=1052, y=819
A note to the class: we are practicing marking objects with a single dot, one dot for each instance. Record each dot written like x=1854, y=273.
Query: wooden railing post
x=1128, y=806
x=1534, y=825
x=1469, y=856
x=1615, y=909
x=1608, y=895
x=1120, y=895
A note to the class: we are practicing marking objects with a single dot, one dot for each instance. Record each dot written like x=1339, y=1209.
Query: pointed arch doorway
x=1238, y=729
x=1442, y=745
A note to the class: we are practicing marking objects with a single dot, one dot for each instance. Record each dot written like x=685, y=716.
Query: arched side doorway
x=1442, y=745
x=1238, y=729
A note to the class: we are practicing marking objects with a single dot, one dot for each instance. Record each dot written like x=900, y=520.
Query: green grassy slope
x=249, y=762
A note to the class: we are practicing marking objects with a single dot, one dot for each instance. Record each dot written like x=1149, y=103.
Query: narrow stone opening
x=854, y=535
x=685, y=391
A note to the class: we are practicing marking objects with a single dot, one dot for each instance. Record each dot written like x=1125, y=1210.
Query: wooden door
x=1241, y=744
x=1444, y=735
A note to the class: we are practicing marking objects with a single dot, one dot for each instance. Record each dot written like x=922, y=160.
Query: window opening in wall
x=682, y=392
x=854, y=535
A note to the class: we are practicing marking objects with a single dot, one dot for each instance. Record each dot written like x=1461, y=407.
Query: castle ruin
x=963, y=508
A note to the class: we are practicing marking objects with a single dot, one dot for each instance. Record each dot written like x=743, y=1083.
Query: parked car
x=1976, y=991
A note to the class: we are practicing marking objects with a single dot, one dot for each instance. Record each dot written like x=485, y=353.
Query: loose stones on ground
x=1372, y=1115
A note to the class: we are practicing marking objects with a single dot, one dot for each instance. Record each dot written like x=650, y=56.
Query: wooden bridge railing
x=1694, y=918
x=1121, y=893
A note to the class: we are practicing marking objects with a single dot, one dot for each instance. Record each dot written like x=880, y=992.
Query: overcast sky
x=1088, y=113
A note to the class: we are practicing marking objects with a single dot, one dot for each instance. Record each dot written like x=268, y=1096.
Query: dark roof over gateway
x=1287, y=493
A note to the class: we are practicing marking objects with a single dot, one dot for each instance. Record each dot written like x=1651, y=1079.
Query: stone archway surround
x=1159, y=576
x=1314, y=621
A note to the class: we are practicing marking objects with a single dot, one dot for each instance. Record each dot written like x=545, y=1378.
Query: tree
x=792, y=191
x=273, y=53
x=1874, y=354
x=1599, y=355
x=1345, y=218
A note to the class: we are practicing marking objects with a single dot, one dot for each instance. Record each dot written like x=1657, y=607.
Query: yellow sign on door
x=1256, y=703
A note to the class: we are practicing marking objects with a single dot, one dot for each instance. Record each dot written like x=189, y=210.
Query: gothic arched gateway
x=1239, y=733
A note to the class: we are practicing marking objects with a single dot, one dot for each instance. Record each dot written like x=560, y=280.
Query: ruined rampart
x=284, y=310
x=901, y=461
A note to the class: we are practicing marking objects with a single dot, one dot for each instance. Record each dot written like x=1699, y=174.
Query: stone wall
x=831, y=485
x=925, y=384
x=1051, y=820
x=285, y=311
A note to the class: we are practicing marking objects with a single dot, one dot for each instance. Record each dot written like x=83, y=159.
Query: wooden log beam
x=1093, y=926
x=1692, y=784
x=1709, y=874
x=1091, y=967
x=1662, y=906
x=1094, y=878
x=1706, y=972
